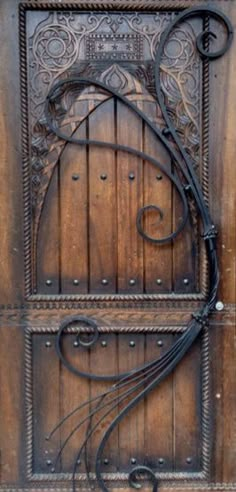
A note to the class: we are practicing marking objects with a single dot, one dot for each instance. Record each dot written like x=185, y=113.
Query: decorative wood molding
x=119, y=477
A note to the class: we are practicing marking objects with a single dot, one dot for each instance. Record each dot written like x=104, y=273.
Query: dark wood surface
x=167, y=424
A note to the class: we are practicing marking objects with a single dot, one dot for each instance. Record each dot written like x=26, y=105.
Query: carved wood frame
x=101, y=300
x=119, y=478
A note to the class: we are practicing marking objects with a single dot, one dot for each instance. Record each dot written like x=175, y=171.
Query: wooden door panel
x=77, y=215
x=164, y=431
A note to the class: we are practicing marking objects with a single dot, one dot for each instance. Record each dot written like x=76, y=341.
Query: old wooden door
x=117, y=170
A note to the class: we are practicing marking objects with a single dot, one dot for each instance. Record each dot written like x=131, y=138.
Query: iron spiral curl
x=130, y=388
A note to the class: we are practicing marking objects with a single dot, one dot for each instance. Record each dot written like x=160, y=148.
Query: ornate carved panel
x=79, y=198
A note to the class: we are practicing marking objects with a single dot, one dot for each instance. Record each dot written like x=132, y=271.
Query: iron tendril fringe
x=137, y=383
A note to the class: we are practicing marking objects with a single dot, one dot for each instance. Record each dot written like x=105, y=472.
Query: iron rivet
x=132, y=343
x=52, y=470
x=131, y=176
x=103, y=177
x=186, y=281
x=75, y=177
x=159, y=177
x=159, y=281
x=159, y=343
x=48, y=282
x=48, y=344
x=161, y=461
x=189, y=460
x=78, y=462
x=76, y=281
x=132, y=281
x=218, y=396
x=219, y=306
x=104, y=343
x=133, y=461
x=48, y=462
x=106, y=461
x=104, y=281
x=76, y=344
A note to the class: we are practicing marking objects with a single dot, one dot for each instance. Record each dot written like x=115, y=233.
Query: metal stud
x=78, y=462
x=161, y=461
x=160, y=343
x=106, y=461
x=218, y=396
x=186, y=281
x=131, y=176
x=52, y=470
x=158, y=281
x=48, y=344
x=103, y=177
x=75, y=177
x=132, y=281
x=104, y=343
x=189, y=460
x=159, y=177
x=219, y=306
x=76, y=281
x=48, y=462
x=133, y=461
x=104, y=281
x=132, y=343
x=48, y=282
x=76, y=344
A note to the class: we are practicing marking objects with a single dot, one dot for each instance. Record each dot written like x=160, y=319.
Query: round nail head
x=219, y=306
x=75, y=177
x=132, y=343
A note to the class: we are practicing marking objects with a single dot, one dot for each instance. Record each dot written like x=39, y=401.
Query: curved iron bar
x=154, y=372
x=142, y=470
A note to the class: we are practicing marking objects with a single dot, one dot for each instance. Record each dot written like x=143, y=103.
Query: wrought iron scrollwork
x=130, y=388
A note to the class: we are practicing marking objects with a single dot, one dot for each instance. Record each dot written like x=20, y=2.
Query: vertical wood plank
x=48, y=242
x=74, y=392
x=102, y=202
x=229, y=413
x=159, y=411
x=217, y=371
x=46, y=402
x=184, y=252
x=103, y=360
x=74, y=209
x=157, y=191
x=131, y=428
x=187, y=401
x=11, y=396
x=130, y=199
